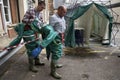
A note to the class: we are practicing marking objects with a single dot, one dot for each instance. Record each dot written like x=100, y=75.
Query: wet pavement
x=4, y=41
x=94, y=63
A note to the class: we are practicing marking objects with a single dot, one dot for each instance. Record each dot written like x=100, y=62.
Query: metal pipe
x=113, y=5
x=116, y=23
x=8, y=55
x=3, y=53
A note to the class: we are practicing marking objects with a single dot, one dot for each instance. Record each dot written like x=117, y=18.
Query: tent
x=93, y=18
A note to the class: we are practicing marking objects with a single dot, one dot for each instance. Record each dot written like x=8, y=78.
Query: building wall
x=57, y=3
x=14, y=11
x=117, y=9
x=50, y=5
x=22, y=8
x=115, y=1
x=46, y=12
x=1, y=24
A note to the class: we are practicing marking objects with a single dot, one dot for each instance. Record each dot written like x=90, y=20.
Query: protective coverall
x=51, y=40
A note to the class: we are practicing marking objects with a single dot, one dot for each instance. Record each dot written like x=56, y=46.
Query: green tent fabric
x=109, y=17
x=73, y=14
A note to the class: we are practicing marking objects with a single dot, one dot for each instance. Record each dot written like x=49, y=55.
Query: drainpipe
x=5, y=55
x=18, y=11
x=113, y=5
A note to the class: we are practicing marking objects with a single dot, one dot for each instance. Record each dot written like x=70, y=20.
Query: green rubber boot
x=38, y=62
x=53, y=73
x=59, y=65
x=31, y=65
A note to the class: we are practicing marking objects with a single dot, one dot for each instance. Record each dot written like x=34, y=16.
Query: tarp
x=89, y=22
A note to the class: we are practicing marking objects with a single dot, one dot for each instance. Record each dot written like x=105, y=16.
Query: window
x=6, y=10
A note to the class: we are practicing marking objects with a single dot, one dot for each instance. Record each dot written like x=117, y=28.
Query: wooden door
x=14, y=11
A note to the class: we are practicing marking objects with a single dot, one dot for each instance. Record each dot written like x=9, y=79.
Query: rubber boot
x=31, y=65
x=53, y=73
x=59, y=65
x=38, y=63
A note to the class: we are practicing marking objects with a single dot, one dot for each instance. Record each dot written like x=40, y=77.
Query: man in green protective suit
x=28, y=30
x=29, y=17
x=51, y=39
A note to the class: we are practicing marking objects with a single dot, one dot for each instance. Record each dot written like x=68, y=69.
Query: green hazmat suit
x=51, y=40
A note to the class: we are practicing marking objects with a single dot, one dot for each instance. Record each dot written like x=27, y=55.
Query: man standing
x=31, y=15
x=57, y=21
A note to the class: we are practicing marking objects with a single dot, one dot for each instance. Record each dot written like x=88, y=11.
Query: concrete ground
x=94, y=63
x=97, y=62
x=5, y=40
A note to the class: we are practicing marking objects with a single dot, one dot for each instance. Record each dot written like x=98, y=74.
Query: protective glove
x=36, y=51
